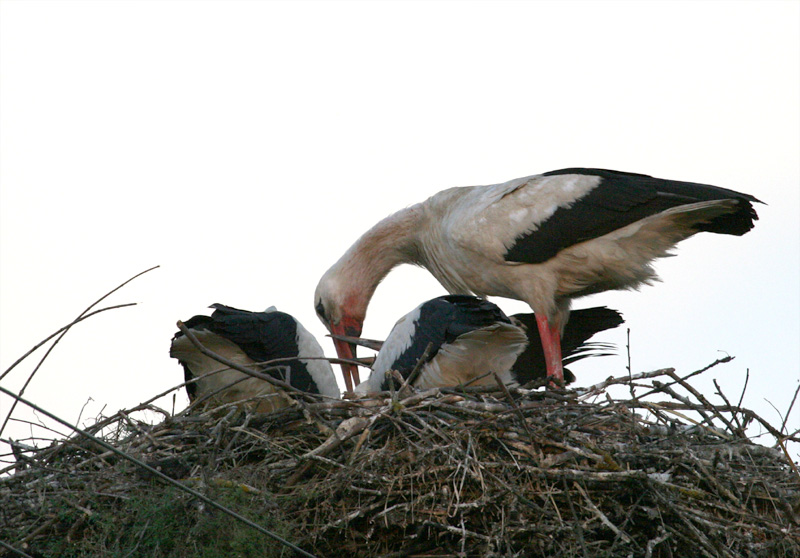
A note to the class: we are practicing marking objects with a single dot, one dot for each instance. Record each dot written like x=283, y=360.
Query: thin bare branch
x=160, y=475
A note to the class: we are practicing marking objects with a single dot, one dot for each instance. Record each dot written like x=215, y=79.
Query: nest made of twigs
x=481, y=472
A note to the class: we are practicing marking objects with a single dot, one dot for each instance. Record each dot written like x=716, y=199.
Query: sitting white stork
x=249, y=338
x=543, y=239
x=468, y=338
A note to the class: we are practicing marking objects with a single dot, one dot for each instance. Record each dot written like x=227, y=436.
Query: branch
x=160, y=475
x=63, y=331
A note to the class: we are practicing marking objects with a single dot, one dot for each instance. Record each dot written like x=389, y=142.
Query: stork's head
x=343, y=313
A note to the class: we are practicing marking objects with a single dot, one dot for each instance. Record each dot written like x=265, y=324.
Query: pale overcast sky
x=243, y=146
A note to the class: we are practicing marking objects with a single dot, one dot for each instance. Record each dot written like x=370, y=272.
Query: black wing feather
x=620, y=199
x=263, y=336
x=582, y=325
x=443, y=320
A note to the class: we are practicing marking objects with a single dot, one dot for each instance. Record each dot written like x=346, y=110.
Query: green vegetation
x=164, y=522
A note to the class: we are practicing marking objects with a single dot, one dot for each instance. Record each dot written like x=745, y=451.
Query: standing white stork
x=542, y=239
x=467, y=338
x=249, y=338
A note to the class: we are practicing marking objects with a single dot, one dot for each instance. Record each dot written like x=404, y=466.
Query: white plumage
x=468, y=340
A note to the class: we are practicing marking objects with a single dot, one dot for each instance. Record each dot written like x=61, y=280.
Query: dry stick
x=83, y=315
x=721, y=408
x=417, y=367
x=469, y=388
x=601, y=516
x=690, y=375
x=455, y=530
x=591, y=391
x=653, y=542
x=685, y=400
x=577, y=527
x=64, y=331
x=204, y=398
x=39, y=425
x=98, y=425
x=672, y=408
x=700, y=397
x=513, y=405
x=666, y=387
x=159, y=474
x=145, y=405
x=788, y=457
x=788, y=412
x=792, y=436
x=49, y=337
x=744, y=388
x=630, y=371
x=739, y=426
x=631, y=383
x=15, y=550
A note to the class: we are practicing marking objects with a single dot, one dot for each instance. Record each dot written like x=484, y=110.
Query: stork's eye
x=320, y=308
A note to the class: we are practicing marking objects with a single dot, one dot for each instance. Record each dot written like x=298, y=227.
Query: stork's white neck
x=389, y=243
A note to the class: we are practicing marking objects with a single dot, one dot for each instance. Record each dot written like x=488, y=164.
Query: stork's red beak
x=351, y=328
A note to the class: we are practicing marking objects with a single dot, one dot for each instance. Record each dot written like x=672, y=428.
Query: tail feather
x=582, y=325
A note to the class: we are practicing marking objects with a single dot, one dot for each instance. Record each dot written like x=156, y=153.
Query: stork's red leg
x=551, y=344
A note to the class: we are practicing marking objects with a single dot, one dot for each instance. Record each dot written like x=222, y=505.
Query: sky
x=243, y=146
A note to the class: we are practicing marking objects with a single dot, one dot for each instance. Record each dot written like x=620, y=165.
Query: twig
x=744, y=387
x=700, y=397
x=721, y=408
x=685, y=400
x=739, y=426
x=577, y=521
x=513, y=405
x=692, y=374
x=423, y=359
x=82, y=316
x=591, y=391
x=49, y=337
x=630, y=370
x=456, y=530
x=789, y=458
x=61, y=333
x=789, y=411
x=160, y=475
x=652, y=543
x=16, y=551
x=603, y=518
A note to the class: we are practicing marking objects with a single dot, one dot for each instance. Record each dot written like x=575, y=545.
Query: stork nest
x=444, y=472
